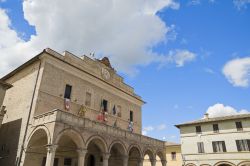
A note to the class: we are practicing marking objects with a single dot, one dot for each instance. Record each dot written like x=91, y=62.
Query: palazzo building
x=220, y=141
x=68, y=111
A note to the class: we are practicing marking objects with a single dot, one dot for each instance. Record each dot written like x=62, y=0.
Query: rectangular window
x=243, y=145
x=88, y=99
x=200, y=147
x=239, y=126
x=119, y=111
x=105, y=105
x=67, y=161
x=198, y=129
x=216, y=128
x=131, y=116
x=67, y=93
x=219, y=146
x=173, y=155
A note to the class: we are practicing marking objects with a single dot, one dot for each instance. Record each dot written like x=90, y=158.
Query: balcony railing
x=87, y=124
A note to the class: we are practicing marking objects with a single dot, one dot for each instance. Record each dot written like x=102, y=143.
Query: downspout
x=28, y=120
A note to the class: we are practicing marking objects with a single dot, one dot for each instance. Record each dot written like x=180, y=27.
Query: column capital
x=51, y=148
x=106, y=156
x=82, y=152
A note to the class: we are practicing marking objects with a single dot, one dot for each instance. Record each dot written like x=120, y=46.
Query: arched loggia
x=134, y=157
x=118, y=154
x=97, y=152
x=36, y=151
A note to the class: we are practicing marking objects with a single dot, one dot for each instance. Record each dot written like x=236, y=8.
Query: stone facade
x=66, y=110
x=222, y=141
x=3, y=87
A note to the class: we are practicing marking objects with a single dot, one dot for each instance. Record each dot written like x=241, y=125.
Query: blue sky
x=215, y=33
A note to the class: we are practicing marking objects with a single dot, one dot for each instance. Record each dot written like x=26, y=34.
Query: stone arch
x=118, y=142
x=135, y=156
x=73, y=134
x=149, y=156
x=161, y=155
x=35, y=146
x=118, y=153
x=224, y=163
x=190, y=164
x=102, y=141
x=42, y=127
x=97, y=151
x=135, y=146
x=148, y=151
x=244, y=163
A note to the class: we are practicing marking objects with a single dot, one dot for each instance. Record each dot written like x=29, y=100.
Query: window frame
x=198, y=129
x=216, y=129
x=131, y=116
x=173, y=156
x=200, y=146
x=88, y=100
x=68, y=91
x=243, y=145
x=219, y=146
x=239, y=126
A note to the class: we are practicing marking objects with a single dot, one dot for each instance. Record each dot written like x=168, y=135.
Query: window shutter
x=199, y=148
x=248, y=144
x=238, y=145
x=224, y=146
x=214, y=146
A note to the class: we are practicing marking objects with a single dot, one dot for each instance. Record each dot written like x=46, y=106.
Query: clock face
x=105, y=73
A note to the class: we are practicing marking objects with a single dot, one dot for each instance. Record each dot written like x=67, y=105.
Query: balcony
x=60, y=116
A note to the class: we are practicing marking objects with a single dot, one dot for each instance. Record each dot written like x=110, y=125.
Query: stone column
x=51, y=151
x=153, y=162
x=81, y=156
x=141, y=162
x=164, y=162
x=106, y=159
x=125, y=160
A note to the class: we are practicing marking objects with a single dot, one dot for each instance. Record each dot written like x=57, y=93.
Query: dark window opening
x=67, y=93
x=239, y=126
x=198, y=129
x=243, y=145
x=216, y=128
x=105, y=105
x=131, y=116
x=219, y=146
x=173, y=155
x=67, y=161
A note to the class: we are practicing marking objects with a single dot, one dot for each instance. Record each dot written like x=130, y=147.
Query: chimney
x=206, y=116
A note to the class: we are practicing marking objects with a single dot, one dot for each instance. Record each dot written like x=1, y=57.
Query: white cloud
x=161, y=127
x=170, y=137
x=145, y=130
x=126, y=31
x=241, y=4
x=178, y=57
x=237, y=71
x=208, y=70
x=218, y=110
x=194, y=2
x=148, y=129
